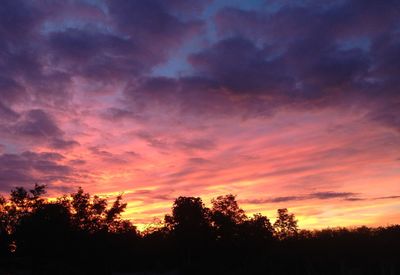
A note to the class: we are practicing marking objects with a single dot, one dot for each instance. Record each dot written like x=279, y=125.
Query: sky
x=282, y=103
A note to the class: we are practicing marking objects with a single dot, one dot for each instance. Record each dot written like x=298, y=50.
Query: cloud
x=36, y=126
x=142, y=20
x=112, y=158
x=346, y=196
x=11, y=91
x=152, y=140
x=7, y=113
x=307, y=56
x=196, y=144
x=328, y=51
x=317, y=195
x=59, y=143
x=18, y=18
x=240, y=66
x=387, y=198
x=47, y=48
x=97, y=55
x=198, y=161
x=29, y=167
x=331, y=195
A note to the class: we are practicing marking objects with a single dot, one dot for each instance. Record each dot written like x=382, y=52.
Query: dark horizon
x=80, y=233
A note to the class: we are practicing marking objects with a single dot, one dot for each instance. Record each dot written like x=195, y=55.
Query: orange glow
x=289, y=155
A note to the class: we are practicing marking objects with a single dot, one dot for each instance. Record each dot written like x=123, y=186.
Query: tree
x=228, y=207
x=189, y=215
x=285, y=225
x=20, y=204
x=5, y=226
x=93, y=214
x=48, y=226
x=25, y=201
x=190, y=226
x=226, y=216
x=258, y=228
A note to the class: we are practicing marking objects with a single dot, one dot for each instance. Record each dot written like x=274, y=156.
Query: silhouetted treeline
x=83, y=234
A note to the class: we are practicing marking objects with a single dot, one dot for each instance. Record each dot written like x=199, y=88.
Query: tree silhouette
x=30, y=225
x=259, y=228
x=189, y=215
x=190, y=226
x=83, y=234
x=94, y=215
x=48, y=226
x=227, y=206
x=227, y=216
x=285, y=225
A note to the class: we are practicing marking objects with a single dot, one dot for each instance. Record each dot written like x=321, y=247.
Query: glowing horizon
x=286, y=105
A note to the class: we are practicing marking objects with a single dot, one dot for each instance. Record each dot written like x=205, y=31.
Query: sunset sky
x=283, y=103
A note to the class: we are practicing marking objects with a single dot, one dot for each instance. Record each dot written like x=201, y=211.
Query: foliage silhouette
x=285, y=225
x=227, y=217
x=83, y=234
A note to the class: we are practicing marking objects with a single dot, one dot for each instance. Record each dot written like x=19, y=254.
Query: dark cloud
x=98, y=55
x=331, y=195
x=18, y=18
x=198, y=161
x=187, y=145
x=387, y=198
x=29, y=167
x=23, y=55
x=36, y=126
x=387, y=114
x=309, y=68
x=11, y=91
x=317, y=195
x=346, y=196
x=333, y=53
x=118, y=114
x=354, y=199
x=99, y=152
x=7, y=113
x=239, y=65
x=43, y=46
x=59, y=143
x=190, y=96
x=343, y=19
x=285, y=199
x=306, y=54
x=152, y=140
x=196, y=144
x=109, y=157
x=153, y=22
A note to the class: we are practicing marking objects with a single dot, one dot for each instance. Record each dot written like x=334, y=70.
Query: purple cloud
x=29, y=167
x=317, y=195
x=36, y=126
